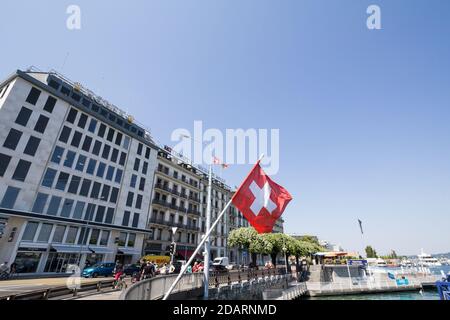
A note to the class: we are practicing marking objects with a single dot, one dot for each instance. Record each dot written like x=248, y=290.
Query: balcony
x=195, y=199
x=169, y=223
x=193, y=211
x=163, y=187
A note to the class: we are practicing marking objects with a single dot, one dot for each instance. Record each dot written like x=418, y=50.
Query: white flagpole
x=207, y=240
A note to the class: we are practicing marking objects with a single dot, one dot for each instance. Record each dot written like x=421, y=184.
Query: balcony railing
x=174, y=224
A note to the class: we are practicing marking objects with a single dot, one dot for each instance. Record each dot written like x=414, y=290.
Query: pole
x=200, y=245
x=207, y=238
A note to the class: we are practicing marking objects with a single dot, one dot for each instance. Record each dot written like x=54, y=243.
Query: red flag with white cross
x=261, y=201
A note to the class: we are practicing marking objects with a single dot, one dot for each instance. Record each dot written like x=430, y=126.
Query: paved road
x=19, y=286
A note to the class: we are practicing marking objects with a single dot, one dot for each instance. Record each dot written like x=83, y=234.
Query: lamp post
x=174, y=231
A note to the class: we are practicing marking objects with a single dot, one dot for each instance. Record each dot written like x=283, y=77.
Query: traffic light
x=172, y=248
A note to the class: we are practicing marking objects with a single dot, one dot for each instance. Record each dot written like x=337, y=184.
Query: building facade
x=75, y=176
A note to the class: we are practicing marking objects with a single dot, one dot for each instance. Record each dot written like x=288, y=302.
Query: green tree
x=370, y=252
x=249, y=239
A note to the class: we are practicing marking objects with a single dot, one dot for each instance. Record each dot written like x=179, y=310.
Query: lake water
x=429, y=294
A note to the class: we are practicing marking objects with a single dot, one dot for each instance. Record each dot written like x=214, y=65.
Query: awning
x=101, y=250
x=71, y=249
x=128, y=251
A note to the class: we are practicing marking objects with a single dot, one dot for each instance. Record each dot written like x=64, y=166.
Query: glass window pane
x=109, y=173
x=23, y=116
x=119, y=138
x=104, y=239
x=110, y=134
x=92, y=125
x=126, y=142
x=138, y=202
x=76, y=139
x=97, y=147
x=126, y=218
x=72, y=115
x=58, y=235
x=79, y=209
x=12, y=140
x=74, y=184
x=44, y=234
x=32, y=146
x=114, y=195
x=101, y=131
x=94, y=237
x=130, y=199
x=33, y=96
x=105, y=192
x=10, y=197
x=49, y=177
x=122, y=239
x=57, y=155
x=41, y=124
x=63, y=179
x=85, y=187
x=106, y=151
x=40, y=202
x=101, y=170
x=30, y=231
x=65, y=134
x=82, y=121
x=100, y=214
x=87, y=144
x=119, y=175
x=53, y=207
x=70, y=158
x=72, y=235
x=91, y=166
x=109, y=215
x=133, y=181
x=4, y=163
x=90, y=211
x=21, y=172
x=139, y=150
x=95, y=190
x=50, y=104
x=135, y=220
x=80, y=163
x=114, y=155
x=123, y=158
x=131, y=240
x=67, y=208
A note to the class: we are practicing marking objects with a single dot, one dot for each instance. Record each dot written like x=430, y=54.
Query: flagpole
x=207, y=239
x=200, y=245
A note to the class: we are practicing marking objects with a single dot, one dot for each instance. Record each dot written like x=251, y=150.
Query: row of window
x=68, y=208
x=86, y=102
x=165, y=170
x=101, y=170
x=47, y=232
x=79, y=186
x=21, y=171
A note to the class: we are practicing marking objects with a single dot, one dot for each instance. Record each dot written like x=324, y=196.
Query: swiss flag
x=261, y=200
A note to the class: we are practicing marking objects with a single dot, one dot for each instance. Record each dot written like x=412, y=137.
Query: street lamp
x=174, y=231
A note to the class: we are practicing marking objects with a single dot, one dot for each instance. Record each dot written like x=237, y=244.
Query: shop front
x=28, y=259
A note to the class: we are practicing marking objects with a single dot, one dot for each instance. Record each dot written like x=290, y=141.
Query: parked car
x=130, y=269
x=101, y=269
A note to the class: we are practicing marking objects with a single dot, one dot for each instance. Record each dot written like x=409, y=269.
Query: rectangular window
x=105, y=192
x=135, y=220
x=131, y=240
x=123, y=157
x=110, y=135
x=92, y=125
x=76, y=139
x=126, y=142
x=109, y=215
x=80, y=163
x=86, y=102
x=114, y=155
x=21, y=172
x=57, y=155
x=39, y=203
x=97, y=147
x=90, y=211
x=65, y=91
x=72, y=115
x=30, y=231
x=138, y=201
x=12, y=140
x=91, y=166
x=119, y=138
x=126, y=218
x=94, y=237
x=85, y=187
x=63, y=179
x=70, y=158
x=65, y=134
x=50, y=104
x=87, y=144
x=101, y=131
x=137, y=164
x=119, y=176
x=83, y=237
x=104, y=239
x=4, y=163
x=114, y=195
x=133, y=181
x=106, y=151
x=142, y=184
x=33, y=96
x=32, y=146
x=49, y=177
x=82, y=121
x=74, y=184
x=100, y=214
x=72, y=235
x=58, y=235
x=95, y=190
x=109, y=173
x=67, y=208
x=53, y=207
x=139, y=150
x=44, y=234
x=145, y=167
x=23, y=116
x=79, y=209
x=130, y=199
x=10, y=197
x=101, y=170
x=41, y=124
x=147, y=153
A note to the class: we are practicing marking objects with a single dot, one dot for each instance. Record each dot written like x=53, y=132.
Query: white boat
x=406, y=263
x=377, y=262
x=426, y=260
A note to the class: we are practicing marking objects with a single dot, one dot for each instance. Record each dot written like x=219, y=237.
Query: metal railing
x=154, y=288
x=55, y=292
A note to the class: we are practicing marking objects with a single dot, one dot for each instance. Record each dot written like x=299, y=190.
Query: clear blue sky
x=364, y=115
